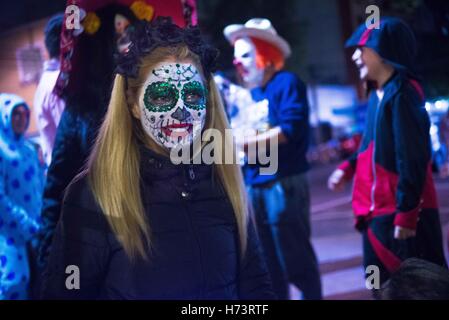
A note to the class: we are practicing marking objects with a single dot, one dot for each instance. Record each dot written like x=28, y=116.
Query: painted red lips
x=172, y=129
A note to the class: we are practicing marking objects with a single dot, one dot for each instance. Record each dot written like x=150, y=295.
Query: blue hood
x=8, y=102
x=394, y=41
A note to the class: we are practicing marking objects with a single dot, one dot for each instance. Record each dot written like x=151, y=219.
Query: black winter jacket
x=74, y=138
x=195, y=252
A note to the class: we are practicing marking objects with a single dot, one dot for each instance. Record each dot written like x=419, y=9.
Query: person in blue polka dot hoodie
x=21, y=185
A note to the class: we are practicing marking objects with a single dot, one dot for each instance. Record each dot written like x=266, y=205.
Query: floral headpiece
x=143, y=11
x=162, y=32
x=182, y=11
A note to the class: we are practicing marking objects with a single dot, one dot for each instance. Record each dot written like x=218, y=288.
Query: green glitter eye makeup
x=173, y=104
x=161, y=96
x=194, y=95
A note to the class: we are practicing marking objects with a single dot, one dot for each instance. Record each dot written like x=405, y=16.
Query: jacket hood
x=8, y=102
x=394, y=41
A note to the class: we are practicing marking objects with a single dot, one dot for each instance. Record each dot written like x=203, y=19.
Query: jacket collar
x=155, y=166
x=392, y=86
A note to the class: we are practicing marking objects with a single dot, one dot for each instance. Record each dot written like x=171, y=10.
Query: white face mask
x=245, y=62
x=357, y=58
x=173, y=104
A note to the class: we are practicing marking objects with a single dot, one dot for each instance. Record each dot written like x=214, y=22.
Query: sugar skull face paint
x=173, y=104
x=245, y=62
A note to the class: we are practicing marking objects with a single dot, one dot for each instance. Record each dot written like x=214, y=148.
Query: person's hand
x=444, y=171
x=40, y=156
x=336, y=181
x=401, y=233
x=240, y=144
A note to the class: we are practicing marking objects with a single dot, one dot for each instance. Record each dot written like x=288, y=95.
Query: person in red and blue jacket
x=394, y=197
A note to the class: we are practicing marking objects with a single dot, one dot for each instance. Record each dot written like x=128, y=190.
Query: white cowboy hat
x=259, y=28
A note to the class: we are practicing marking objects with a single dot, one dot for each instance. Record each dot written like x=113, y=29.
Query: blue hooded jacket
x=394, y=41
x=21, y=184
x=392, y=167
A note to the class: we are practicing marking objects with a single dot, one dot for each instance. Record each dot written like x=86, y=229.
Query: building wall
x=323, y=41
x=313, y=29
x=10, y=42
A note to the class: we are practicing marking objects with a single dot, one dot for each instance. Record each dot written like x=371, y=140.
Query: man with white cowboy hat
x=281, y=200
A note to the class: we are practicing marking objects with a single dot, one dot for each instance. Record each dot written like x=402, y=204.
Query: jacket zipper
x=195, y=235
x=373, y=160
x=191, y=173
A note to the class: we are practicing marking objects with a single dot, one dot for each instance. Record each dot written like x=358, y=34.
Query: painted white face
x=245, y=62
x=173, y=104
x=357, y=57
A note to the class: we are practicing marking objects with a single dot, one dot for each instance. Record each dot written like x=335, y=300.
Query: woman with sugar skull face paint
x=173, y=104
x=140, y=227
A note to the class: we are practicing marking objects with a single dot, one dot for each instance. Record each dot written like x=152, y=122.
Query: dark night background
x=316, y=31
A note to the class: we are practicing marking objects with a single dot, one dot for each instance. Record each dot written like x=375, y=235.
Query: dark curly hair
x=162, y=32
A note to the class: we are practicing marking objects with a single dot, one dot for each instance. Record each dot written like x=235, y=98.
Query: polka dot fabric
x=21, y=185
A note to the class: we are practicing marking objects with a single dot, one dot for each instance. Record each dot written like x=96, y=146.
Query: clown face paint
x=245, y=62
x=173, y=104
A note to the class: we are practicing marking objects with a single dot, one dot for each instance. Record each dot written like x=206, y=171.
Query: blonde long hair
x=113, y=168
